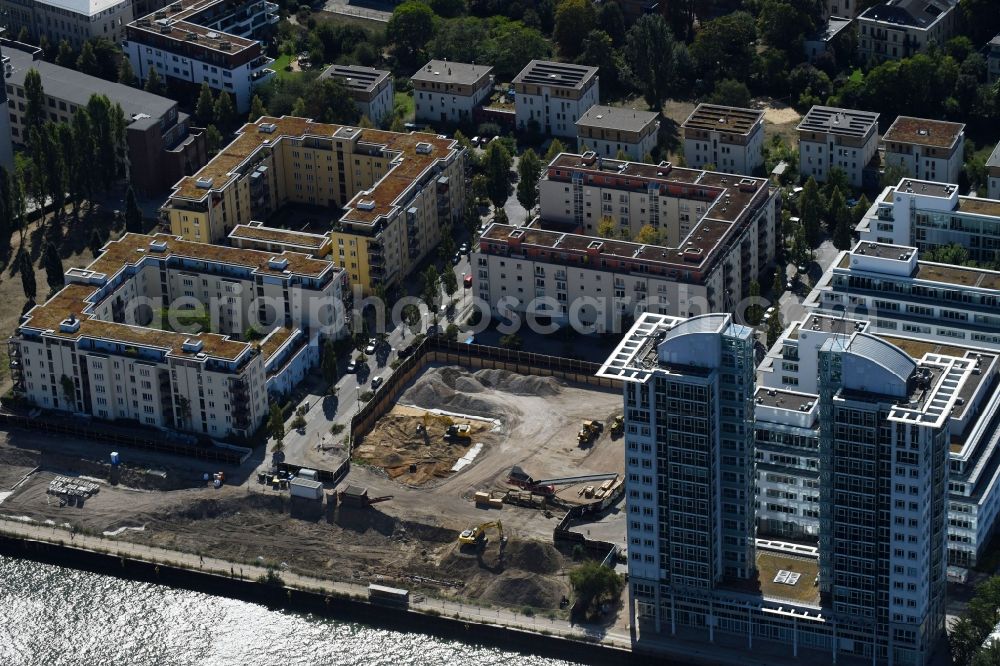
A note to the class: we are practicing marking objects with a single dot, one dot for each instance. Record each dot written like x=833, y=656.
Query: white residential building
x=205, y=41
x=608, y=130
x=901, y=28
x=554, y=95
x=928, y=215
x=448, y=92
x=724, y=138
x=109, y=343
x=74, y=21
x=832, y=138
x=926, y=149
x=372, y=89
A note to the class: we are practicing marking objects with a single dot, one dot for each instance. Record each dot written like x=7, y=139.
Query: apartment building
x=872, y=589
x=447, y=92
x=75, y=21
x=106, y=345
x=255, y=236
x=6, y=145
x=372, y=89
x=724, y=138
x=928, y=215
x=397, y=191
x=609, y=130
x=847, y=9
x=993, y=174
x=554, y=95
x=926, y=149
x=162, y=146
x=191, y=42
x=993, y=60
x=832, y=138
x=716, y=235
x=902, y=28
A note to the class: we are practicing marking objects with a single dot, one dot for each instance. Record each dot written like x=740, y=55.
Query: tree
x=126, y=75
x=755, y=311
x=204, y=110
x=649, y=50
x=133, y=214
x=27, y=271
x=256, y=109
x=81, y=178
x=731, y=93
x=648, y=235
x=213, y=139
x=34, y=101
x=95, y=243
x=87, y=62
x=529, y=170
x=593, y=584
x=328, y=365
x=447, y=8
x=411, y=316
x=555, y=148
x=511, y=341
x=783, y=24
x=65, y=57
x=451, y=332
x=574, y=19
x=409, y=29
x=429, y=291
x=225, y=112
x=54, y=274
x=971, y=630
x=449, y=282
x=724, y=47
x=840, y=219
x=611, y=20
x=775, y=327
x=953, y=253
x=153, y=83
x=811, y=211
x=51, y=159
x=276, y=423
x=6, y=206
x=778, y=285
x=860, y=208
x=497, y=174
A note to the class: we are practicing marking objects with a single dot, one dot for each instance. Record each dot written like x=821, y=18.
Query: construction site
x=456, y=492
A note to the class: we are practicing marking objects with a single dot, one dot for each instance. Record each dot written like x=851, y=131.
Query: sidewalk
x=458, y=610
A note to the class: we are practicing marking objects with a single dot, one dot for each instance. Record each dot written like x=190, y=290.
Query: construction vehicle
x=476, y=536
x=518, y=477
x=357, y=496
x=459, y=431
x=589, y=430
x=617, y=426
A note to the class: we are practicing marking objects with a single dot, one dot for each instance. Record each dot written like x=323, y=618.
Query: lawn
x=280, y=64
x=404, y=101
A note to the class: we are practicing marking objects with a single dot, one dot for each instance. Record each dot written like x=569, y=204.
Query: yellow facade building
x=396, y=191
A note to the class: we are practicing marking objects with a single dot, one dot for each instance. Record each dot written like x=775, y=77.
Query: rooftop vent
x=165, y=28
x=226, y=45
x=277, y=263
x=366, y=204
x=204, y=183
x=268, y=128
x=192, y=345
x=158, y=246
x=212, y=35
x=424, y=148
x=70, y=324
x=191, y=37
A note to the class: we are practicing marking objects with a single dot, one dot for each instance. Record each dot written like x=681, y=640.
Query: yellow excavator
x=477, y=535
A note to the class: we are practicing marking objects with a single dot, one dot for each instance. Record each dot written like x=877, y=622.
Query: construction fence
x=438, y=350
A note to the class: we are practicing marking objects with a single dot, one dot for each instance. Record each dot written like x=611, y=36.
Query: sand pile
x=453, y=389
x=514, y=588
x=533, y=556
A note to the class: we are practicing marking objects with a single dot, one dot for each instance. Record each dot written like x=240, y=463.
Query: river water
x=51, y=615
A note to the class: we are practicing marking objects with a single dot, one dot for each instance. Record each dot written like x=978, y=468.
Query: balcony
x=262, y=76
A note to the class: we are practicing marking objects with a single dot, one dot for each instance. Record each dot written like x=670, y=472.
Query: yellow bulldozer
x=476, y=536
x=617, y=425
x=588, y=431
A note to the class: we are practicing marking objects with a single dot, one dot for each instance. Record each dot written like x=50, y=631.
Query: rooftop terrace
x=180, y=20
x=924, y=132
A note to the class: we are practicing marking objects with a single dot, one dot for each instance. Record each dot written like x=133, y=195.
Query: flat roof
x=85, y=7
x=616, y=118
x=910, y=13
x=924, y=132
x=828, y=324
x=179, y=20
x=356, y=77
x=882, y=250
x=770, y=564
x=256, y=231
x=950, y=274
x=928, y=188
x=720, y=118
x=409, y=164
x=978, y=206
x=833, y=120
x=556, y=74
x=781, y=399
x=76, y=88
x=445, y=71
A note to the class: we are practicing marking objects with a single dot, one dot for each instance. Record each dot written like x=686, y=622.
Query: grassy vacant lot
x=404, y=101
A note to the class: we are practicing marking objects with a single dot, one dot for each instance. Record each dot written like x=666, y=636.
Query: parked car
x=352, y=366
x=457, y=258
x=370, y=349
x=377, y=382
x=463, y=248
x=467, y=280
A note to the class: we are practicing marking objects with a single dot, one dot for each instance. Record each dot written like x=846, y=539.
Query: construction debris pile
x=64, y=486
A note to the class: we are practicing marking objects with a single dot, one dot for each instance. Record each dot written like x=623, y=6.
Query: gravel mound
x=453, y=389
x=533, y=556
x=502, y=380
x=524, y=589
